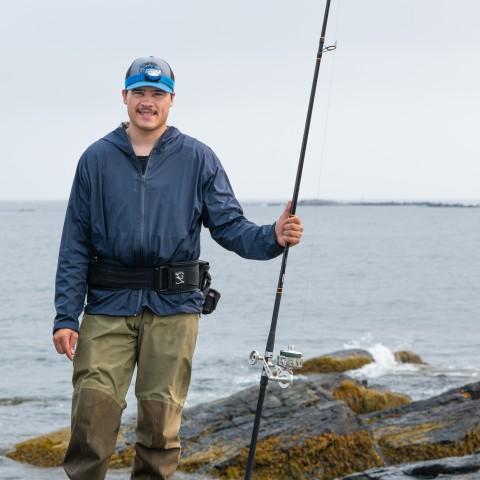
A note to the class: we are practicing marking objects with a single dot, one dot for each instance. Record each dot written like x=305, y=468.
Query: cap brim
x=144, y=83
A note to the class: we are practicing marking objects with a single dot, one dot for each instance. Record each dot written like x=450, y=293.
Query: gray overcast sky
x=402, y=91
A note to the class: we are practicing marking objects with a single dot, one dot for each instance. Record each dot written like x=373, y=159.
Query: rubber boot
x=95, y=424
x=158, y=445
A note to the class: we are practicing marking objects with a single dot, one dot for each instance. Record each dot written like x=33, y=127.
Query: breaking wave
x=384, y=363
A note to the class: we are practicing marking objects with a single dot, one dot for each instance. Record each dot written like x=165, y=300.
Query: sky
x=396, y=114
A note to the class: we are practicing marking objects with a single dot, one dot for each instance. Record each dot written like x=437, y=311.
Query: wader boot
x=108, y=350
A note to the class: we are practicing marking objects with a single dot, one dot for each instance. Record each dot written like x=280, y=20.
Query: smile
x=146, y=113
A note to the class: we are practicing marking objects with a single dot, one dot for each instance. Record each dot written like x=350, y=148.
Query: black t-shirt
x=143, y=159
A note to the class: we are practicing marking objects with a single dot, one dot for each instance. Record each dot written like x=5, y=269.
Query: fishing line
x=318, y=209
x=329, y=103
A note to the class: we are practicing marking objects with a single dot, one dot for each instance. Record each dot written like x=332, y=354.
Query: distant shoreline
x=388, y=203
x=29, y=205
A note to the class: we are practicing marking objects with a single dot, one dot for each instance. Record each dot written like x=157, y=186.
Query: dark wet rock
x=455, y=468
x=340, y=361
x=304, y=433
x=310, y=432
x=406, y=356
x=447, y=425
x=8, y=402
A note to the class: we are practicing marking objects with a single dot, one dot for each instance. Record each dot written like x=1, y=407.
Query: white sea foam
x=384, y=362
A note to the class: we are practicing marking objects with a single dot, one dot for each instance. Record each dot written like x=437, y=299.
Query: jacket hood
x=119, y=138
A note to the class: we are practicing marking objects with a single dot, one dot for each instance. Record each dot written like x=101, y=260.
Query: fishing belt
x=171, y=278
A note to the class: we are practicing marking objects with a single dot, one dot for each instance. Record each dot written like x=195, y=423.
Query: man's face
x=147, y=107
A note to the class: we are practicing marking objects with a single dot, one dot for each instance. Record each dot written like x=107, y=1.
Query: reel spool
x=281, y=371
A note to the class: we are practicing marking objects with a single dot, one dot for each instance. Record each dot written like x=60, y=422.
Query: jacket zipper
x=142, y=217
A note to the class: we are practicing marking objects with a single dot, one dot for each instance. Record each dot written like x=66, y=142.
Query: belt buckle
x=159, y=278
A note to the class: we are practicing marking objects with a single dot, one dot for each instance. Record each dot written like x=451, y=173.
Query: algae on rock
x=320, y=429
x=49, y=450
x=366, y=400
x=338, y=362
x=44, y=451
x=322, y=457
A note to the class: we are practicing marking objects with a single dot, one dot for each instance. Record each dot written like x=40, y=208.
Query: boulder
x=310, y=431
x=304, y=434
x=340, y=361
x=447, y=425
x=44, y=451
x=366, y=400
x=455, y=468
x=49, y=450
x=406, y=356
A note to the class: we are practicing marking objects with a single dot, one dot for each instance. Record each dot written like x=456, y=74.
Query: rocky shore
x=326, y=426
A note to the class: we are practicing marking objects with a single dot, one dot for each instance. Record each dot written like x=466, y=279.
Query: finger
x=292, y=234
x=292, y=241
x=65, y=346
x=293, y=226
x=58, y=345
x=292, y=238
x=292, y=231
x=73, y=343
x=295, y=219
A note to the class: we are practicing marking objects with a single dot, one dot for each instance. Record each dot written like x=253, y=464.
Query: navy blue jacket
x=152, y=219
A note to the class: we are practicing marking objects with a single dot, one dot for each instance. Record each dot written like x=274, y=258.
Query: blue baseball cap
x=150, y=72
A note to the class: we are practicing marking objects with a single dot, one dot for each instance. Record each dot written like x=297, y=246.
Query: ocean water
x=381, y=278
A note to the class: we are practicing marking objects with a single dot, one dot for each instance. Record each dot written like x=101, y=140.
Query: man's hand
x=65, y=341
x=288, y=229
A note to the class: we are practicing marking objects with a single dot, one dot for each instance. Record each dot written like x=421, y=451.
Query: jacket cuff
x=70, y=323
x=273, y=248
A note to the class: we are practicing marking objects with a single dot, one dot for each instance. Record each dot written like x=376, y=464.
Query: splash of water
x=384, y=363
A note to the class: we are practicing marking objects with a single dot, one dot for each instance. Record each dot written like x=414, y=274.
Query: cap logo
x=151, y=71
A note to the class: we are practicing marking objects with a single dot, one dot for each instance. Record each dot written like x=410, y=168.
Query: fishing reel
x=280, y=371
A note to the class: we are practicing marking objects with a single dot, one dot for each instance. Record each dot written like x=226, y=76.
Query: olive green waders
x=108, y=349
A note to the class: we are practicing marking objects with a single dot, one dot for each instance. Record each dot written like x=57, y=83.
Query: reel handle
x=255, y=357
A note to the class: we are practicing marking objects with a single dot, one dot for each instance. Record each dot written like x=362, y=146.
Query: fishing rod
x=288, y=360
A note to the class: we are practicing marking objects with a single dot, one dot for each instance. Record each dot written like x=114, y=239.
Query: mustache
x=146, y=110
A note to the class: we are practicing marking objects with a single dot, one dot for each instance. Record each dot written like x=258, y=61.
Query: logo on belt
x=179, y=278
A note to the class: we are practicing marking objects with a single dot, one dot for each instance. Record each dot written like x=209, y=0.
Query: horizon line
x=283, y=200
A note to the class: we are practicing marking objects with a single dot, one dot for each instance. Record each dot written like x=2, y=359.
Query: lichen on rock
x=443, y=426
x=49, y=450
x=366, y=400
x=326, y=426
x=323, y=457
x=44, y=451
x=340, y=361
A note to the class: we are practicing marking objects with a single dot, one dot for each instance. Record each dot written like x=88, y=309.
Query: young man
x=132, y=235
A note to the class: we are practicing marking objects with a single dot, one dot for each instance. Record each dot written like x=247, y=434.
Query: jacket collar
x=119, y=138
